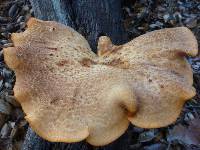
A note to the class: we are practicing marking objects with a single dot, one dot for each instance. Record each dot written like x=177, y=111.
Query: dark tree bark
x=56, y=10
x=99, y=17
x=91, y=18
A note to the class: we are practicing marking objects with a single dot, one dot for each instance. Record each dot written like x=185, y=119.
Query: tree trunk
x=91, y=18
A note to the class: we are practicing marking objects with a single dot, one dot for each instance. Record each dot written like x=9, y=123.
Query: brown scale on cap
x=70, y=94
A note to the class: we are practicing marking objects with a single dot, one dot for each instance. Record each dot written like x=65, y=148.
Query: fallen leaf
x=188, y=135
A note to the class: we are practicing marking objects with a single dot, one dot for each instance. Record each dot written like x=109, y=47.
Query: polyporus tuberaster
x=70, y=94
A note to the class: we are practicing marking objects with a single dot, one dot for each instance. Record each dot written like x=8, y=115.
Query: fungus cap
x=70, y=94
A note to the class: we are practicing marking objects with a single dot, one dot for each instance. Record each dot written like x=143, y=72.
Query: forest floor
x=140, y=16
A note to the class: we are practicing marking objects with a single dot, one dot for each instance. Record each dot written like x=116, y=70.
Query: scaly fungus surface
x=70, y=93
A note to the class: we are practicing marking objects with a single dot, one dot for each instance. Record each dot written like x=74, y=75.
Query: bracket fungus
x=70, y=93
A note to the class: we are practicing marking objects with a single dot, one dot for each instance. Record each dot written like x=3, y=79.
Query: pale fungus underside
x=70, y=94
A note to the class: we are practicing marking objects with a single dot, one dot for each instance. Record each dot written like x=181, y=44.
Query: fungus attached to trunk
x=70, y=94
